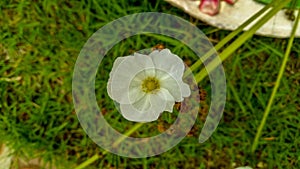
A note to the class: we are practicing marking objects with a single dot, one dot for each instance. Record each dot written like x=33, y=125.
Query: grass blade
x=281, y=71
x=239, y=41
x=231, y=36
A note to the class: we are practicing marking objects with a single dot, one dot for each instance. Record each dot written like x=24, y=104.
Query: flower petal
x=169, y=106
x=185, y=90
x=135, y=94
x=168, y=62
x=158, y=102
x=166, y=95
x=143, y=104
x=170, y=69
x=124, y=73
x=170, y=100
x=178, y=90
x=131, y=113
x=115, y=65
x=173, y=88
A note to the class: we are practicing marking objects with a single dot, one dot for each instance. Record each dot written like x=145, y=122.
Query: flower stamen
x=150, y=85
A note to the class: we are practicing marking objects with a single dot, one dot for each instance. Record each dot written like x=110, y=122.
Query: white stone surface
x=230, y=17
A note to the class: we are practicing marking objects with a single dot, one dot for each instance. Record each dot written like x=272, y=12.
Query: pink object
x=210, y=7
x=231, y=2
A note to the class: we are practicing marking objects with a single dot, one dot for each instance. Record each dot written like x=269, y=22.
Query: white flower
x=147, y=85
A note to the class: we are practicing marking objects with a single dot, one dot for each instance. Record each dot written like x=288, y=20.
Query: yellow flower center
x=150, y=85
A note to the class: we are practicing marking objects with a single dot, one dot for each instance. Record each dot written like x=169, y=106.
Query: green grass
x=39, y=44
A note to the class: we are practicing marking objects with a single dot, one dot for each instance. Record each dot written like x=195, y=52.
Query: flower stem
x=128, y=133
x=89, y=161
x=240, y=40
x=96, y=156
x=281, y=71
